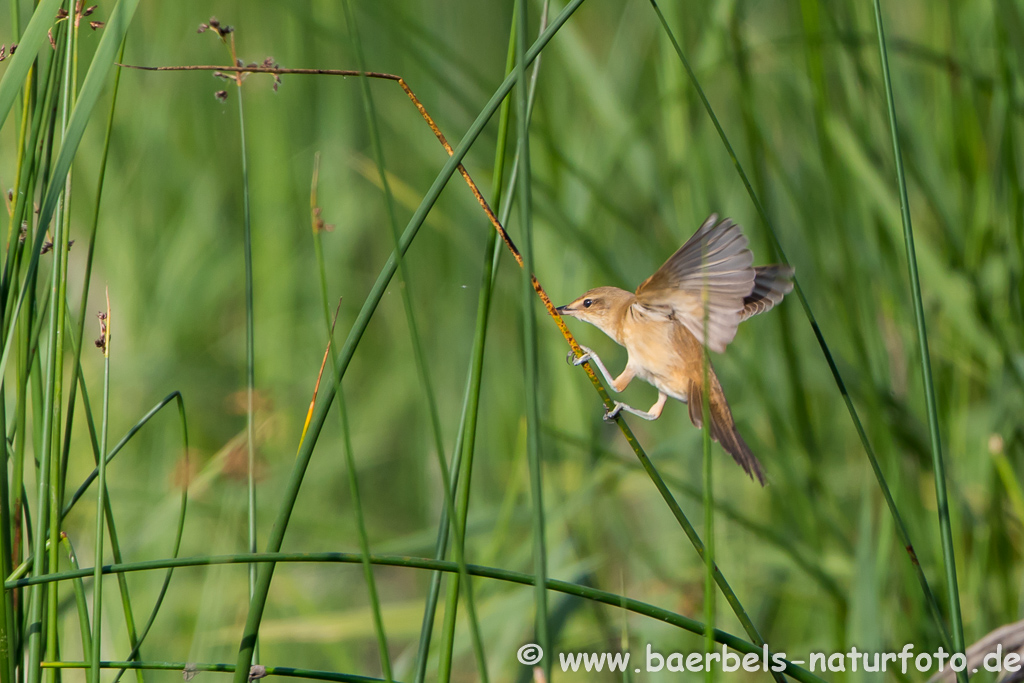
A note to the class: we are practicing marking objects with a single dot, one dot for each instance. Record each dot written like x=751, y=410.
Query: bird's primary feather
x=715, y=261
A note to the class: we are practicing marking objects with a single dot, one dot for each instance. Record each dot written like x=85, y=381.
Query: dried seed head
x=319, y=225
x=89, y=10
x=95, y=24
x=221, y=95
x=203, y=28
x=47, y=246
x=189, y=672
x=214, y=23
x=257, y=671
x=62, y=14
x=101, y=342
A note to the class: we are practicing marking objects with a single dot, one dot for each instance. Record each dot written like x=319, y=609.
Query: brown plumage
x=662, y=325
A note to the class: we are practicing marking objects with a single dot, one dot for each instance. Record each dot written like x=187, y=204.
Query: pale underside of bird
x=698, y=297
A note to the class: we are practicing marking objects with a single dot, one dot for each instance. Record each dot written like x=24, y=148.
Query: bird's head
x=602, y=307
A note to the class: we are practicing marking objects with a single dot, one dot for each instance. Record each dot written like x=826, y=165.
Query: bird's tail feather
x=723, y=429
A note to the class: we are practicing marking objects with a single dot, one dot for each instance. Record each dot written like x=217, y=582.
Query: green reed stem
x=941, y=499
x=80, y=603
x=250, y=353
x=101, y=504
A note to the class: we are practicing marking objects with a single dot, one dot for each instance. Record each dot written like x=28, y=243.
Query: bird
x=662, y=326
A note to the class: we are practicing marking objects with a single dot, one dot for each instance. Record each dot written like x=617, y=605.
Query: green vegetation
x=400, y=538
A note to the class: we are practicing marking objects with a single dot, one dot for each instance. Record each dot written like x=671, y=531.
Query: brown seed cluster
x=222, y=30
x=101, y=342
x=319, y=225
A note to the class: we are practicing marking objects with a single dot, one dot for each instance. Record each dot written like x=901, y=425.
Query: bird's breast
x=659, y=355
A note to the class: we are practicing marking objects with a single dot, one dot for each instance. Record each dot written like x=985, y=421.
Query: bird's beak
x=564, y=310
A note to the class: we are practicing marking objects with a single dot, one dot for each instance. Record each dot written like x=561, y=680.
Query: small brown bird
x=662, y=325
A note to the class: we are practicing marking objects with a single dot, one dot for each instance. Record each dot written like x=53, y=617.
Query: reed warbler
x=662, y=325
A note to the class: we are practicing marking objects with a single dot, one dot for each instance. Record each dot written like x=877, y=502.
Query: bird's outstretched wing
x=715, y=260
x=771, y=283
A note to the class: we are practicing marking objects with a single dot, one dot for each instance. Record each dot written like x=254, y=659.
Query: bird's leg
x=617, y=384
x=653, y=414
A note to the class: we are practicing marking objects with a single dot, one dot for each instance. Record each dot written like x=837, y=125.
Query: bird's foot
x=613, y=414
x=587, y=355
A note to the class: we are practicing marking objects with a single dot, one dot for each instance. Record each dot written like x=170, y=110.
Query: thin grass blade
x=941, y=498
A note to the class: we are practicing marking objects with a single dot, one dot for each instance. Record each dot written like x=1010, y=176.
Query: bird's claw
x=613, y=414
x=587, y=355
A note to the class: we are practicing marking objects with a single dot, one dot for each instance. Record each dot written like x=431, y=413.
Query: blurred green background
x=626, y=165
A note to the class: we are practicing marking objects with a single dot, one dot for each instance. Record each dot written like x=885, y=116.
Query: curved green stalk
x=901, y=529
x=291, y=490
x=496, y=573
x=173, y=396
x=941, y=500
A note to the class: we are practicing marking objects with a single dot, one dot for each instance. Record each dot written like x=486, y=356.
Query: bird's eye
x=587, y=302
